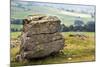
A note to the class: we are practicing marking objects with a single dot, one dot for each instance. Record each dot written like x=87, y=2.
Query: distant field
x=77, y=49
x=66, y=17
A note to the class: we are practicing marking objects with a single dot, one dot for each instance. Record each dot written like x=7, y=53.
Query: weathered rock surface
x=47, y=24
x=41, y=36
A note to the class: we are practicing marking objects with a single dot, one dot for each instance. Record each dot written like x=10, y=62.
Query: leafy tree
x=64, y=28
x=78, y=22
x=78, y=25
x=71, y=28
x=90, y=26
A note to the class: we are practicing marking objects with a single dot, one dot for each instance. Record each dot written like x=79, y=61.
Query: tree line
x=16, y=21
x=78, y=25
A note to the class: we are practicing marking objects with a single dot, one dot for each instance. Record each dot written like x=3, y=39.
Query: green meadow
x=76, y=49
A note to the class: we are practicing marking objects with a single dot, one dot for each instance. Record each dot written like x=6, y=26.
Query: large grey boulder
x=40, y=36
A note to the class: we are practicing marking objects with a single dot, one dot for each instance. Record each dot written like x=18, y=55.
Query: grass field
x=76, y=49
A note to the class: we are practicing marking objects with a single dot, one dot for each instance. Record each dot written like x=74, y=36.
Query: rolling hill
x=23, y=9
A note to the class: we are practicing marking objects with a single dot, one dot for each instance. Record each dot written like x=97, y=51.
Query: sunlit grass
x=15, y=34
x=14, y=52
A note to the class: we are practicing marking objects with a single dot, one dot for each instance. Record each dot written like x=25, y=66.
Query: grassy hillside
x=22, y=12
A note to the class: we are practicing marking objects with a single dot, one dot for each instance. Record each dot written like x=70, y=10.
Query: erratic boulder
x=40, y=36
